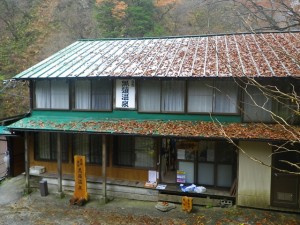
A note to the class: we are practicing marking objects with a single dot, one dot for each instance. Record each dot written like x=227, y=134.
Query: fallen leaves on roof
x=192, y=129
x=236, y=55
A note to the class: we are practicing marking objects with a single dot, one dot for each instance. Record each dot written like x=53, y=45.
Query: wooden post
x=59, y=164
x=104, y=168
x=27, y=163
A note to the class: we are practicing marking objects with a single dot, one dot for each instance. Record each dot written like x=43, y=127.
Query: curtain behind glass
x=200, y=96
x=82, y=94
x=43, y=145
x=145, y=149
x=253, y=113
x=172, y=96
x=125, y=151
x=42, y=94
x=96, y=149
x=63, y=146
x=101, y=95
x=226, y=96
x=149, y=96
x=81, y=145
x=59, y=94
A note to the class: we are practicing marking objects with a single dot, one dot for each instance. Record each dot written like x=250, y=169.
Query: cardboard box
x=36, y=170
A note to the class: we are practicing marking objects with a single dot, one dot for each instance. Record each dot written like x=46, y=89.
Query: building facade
x=203, y=110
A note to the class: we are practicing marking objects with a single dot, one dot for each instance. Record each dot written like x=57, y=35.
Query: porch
x=137, y=190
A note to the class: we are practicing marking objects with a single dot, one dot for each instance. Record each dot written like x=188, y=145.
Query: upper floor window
x=161, y=96
x=149, y=96
x=51, y=94
x=173, y=96
x=203, y=96
x=206, y=96
x=93, y=95
x=267, y=103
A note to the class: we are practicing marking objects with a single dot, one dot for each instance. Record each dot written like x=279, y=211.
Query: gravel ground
x=35, y=209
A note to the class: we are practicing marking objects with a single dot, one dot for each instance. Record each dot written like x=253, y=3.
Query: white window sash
x=42, y=94
x=226, y=97
x=200, y=96
x=256, y=105
x=82, y=94
x=101, y=95
x=173, y=96
x=59, y=94
x=149, y=96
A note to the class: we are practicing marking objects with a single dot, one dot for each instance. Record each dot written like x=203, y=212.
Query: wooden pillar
x=59, y=163
x=27, y=164
x=104, y=168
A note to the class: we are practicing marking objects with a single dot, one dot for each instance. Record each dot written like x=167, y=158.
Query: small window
x=149, y=96
x=51, y=94
x=89, y=146
x=206, y=96
x=46, y=146
x=200, y=96
x=93, y=95
x=216, y=163
x=139, y=152
x=226, y=97
x=257, y=105
x=173, y=96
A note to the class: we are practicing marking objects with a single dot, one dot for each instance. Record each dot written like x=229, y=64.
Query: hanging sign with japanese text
x=125, y=94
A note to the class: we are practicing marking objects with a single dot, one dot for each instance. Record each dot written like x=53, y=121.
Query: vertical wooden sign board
x=80, y=193
x=187, y=204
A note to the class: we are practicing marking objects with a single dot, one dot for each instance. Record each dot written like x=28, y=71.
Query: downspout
x=27, y=163
x=104, y=197
x=59, y=165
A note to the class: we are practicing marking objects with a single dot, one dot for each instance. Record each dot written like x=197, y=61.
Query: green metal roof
x=251, y=55
x=4, y=131
x=178, y=128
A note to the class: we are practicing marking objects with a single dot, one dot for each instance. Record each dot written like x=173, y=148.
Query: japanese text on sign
x=125, y=94
x=80, y=177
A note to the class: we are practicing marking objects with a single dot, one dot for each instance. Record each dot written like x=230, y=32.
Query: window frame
x=139, y=88
x=50, y=83
x=89, y=160
x=213, y=163
x=284, y=108
x=52, y=146
x=131, y=149
x=91, y=95
x=186, y=99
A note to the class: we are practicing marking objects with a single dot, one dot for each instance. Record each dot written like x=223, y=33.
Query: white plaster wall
x=254, y=179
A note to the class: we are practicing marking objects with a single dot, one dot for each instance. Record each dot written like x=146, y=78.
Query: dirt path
x=37, y=210
x=34, y=209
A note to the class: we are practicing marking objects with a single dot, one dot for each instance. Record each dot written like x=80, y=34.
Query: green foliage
x=215, y=17
x=110, y=26
x=135, y=18
x=15, y=38
x=139, y=22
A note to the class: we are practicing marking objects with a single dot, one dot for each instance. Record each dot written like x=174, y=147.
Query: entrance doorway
x=285, y=186
x=168, y=161
x=201, y=162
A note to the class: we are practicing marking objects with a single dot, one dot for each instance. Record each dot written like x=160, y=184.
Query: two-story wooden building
x=184, y=109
